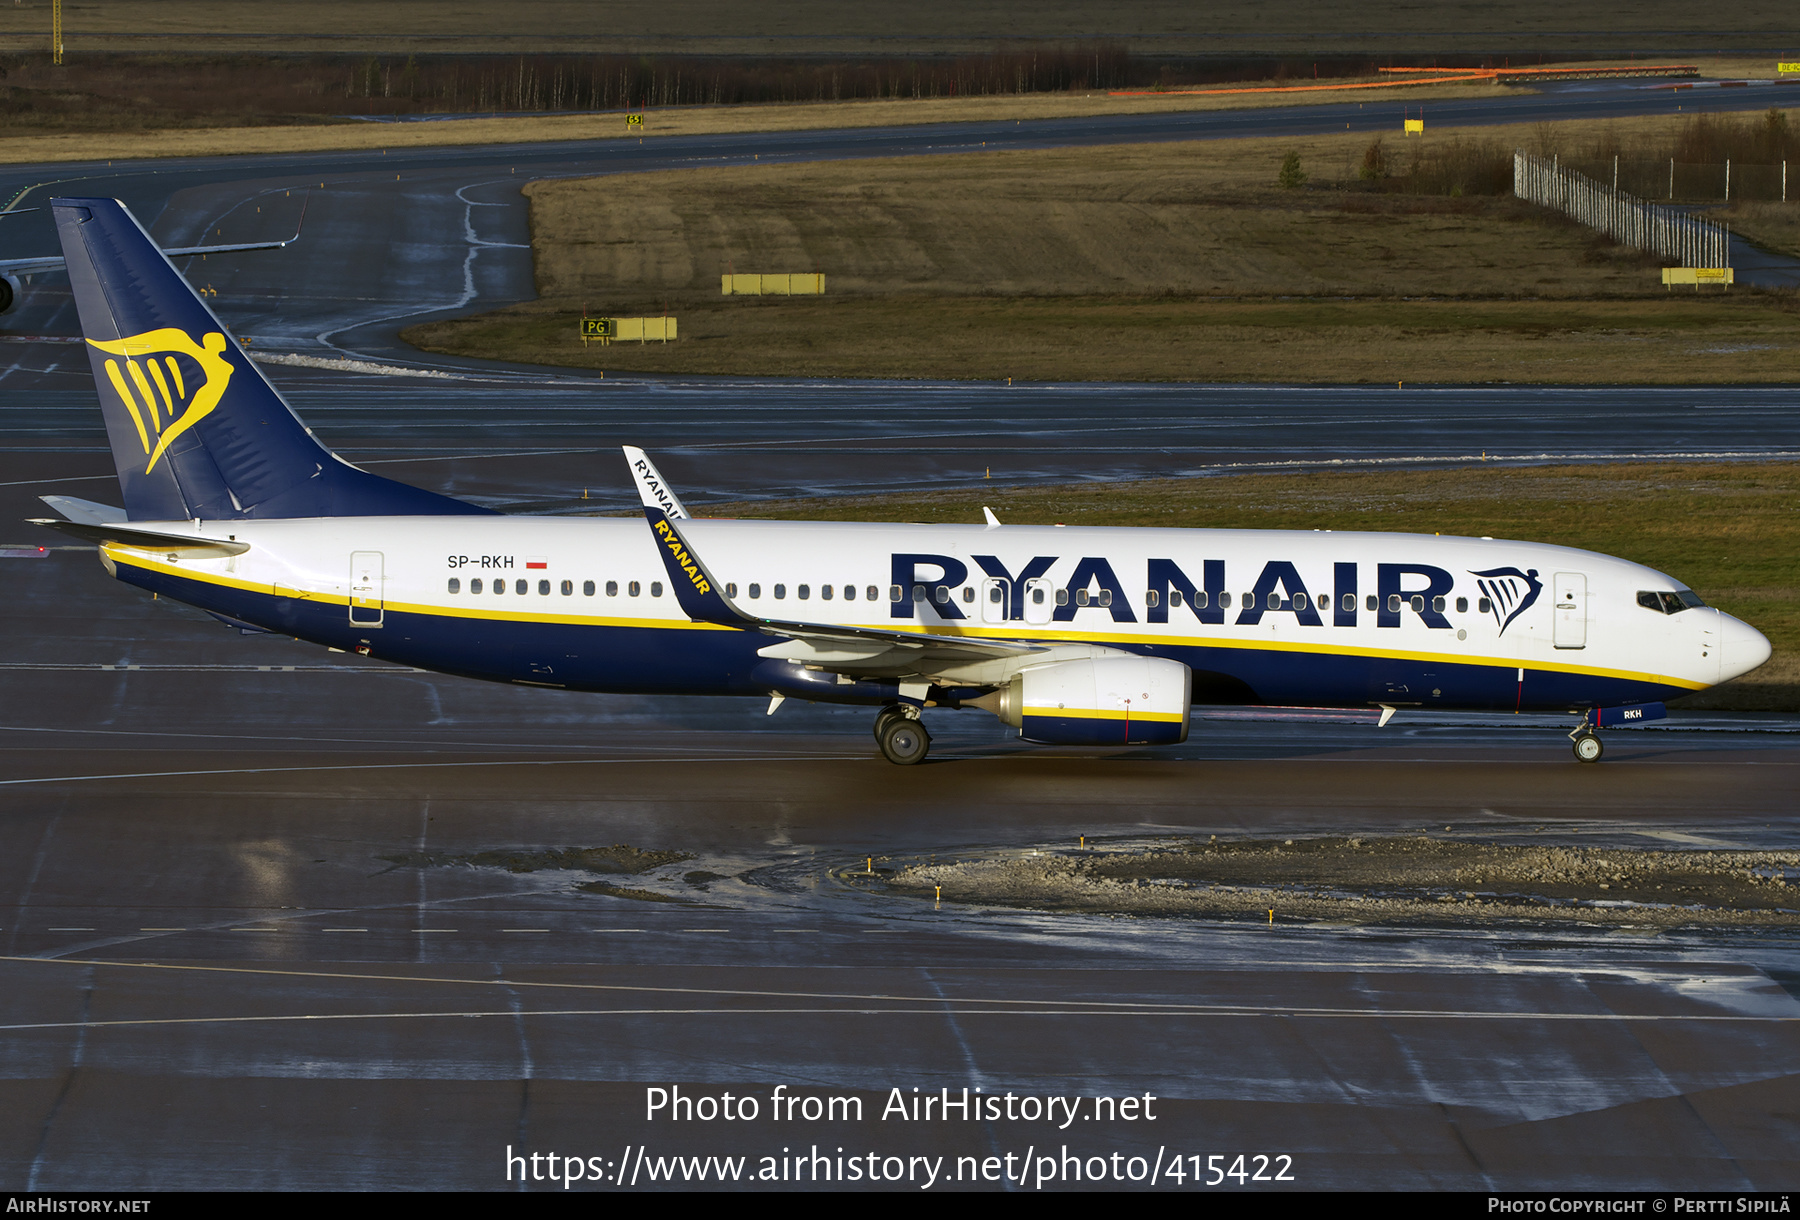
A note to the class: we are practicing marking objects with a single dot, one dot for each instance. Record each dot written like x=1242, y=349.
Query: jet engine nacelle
x=1102, y=701
x=9, y=292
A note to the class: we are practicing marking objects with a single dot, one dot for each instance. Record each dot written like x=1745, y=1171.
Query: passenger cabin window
x=1462, y=605
x=968, y=593
x=1349, y=603
x=544, y=588
x=656, y=588
x=875, y=593
x=1324, y=601
x=780, y=592
x=825, y=592
x=895, y=593
x=730, y=589
x=1150, y=597
x=612, y=588
x=1437, y=604
x=1224, y=602
x=1062, y=597
x=568, y=588
x=499, y=587
x=634, y=588
x=755, y=590
x=850, y=593
x=521, y=587
x=803, y=592
x=475, y=585
x=1485, y=605
x=456, y=585
x=1037, y=596
x=587, y=588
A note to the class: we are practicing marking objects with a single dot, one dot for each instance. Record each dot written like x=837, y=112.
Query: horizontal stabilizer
x=148, y=540
x=85, y=511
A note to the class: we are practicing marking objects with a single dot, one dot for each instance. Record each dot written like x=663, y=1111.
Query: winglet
x=702, y=598
x=653, y=487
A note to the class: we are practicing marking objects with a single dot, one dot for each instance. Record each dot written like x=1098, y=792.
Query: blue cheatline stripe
x=633, y=658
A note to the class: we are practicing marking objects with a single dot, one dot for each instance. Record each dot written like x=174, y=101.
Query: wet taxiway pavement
x=532, y=445
x=225, y=966
x=220, y=970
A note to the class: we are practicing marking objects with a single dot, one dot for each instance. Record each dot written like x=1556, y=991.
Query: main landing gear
x=1588, y=747
x=901, y=735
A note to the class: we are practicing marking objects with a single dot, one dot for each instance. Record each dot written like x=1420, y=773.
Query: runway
x=250, y=942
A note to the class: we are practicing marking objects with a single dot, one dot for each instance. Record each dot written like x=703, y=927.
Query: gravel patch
x=1379, y=879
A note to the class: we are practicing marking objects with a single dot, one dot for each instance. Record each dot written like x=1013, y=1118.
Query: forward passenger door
x=1571, y=610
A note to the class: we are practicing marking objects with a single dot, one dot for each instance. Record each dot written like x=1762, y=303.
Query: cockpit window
x=1669, y=603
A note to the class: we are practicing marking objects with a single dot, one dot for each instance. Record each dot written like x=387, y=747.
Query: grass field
x=1730, y=532
x=1146, y=262
x=1742, y=339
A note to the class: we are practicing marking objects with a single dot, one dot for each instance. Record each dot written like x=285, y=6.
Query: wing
x=830, y=646
x=54, y=262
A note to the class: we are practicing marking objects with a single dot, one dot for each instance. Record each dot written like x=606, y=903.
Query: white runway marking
x=545, y=762
x=934, y=1009
x=927, y=1004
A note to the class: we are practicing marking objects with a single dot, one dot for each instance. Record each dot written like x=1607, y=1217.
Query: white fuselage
x=1313, y=618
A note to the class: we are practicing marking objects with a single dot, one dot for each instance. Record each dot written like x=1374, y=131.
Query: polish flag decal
x=536, y=561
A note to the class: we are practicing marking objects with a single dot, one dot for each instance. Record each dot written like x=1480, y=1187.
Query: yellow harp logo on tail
x=156, y=391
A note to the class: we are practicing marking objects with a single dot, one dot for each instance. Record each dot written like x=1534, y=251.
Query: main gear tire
x=904, y=741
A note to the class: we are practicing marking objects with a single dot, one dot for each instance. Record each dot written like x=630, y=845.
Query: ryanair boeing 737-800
x=1071, y=635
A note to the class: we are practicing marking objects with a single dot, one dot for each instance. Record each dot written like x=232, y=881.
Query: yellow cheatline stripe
x=1088, y=713
x=135, y=557
x=138, y=557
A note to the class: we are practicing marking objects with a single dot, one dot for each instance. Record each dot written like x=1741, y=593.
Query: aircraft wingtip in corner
x=1078, y=636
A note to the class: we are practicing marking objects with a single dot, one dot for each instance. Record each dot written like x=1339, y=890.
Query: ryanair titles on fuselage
x=1279, y=588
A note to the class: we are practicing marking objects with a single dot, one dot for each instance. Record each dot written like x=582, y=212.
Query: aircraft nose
x=1741, y=647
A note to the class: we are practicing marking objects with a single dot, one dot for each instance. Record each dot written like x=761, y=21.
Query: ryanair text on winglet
x=683, y=560
x=651, y=481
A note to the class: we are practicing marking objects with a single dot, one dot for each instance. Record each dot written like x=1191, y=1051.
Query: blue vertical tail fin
x=196, y=429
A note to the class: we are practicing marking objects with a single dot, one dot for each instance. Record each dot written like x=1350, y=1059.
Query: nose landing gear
x=901, y=735
x=1588, y=747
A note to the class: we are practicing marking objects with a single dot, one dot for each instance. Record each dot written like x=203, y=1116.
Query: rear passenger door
x=366, y=581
